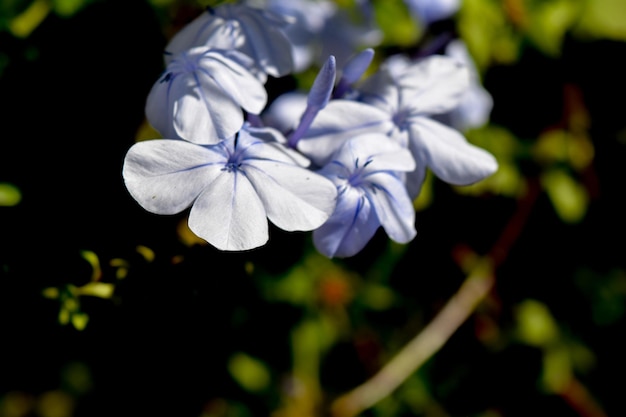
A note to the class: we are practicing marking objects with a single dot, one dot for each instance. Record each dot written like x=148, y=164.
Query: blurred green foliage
x=107, y=310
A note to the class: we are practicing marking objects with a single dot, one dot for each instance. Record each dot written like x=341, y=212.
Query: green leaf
x=568, y=197
x=67, y=8
x=21, y=26
x=536, y=326
x=398, y=26
x=9, y=195
x=79, y=320
x=557, y=369
x=602, y=19
x=252, y=374
x=549, y=21
x=487, y=32
x=97, y=289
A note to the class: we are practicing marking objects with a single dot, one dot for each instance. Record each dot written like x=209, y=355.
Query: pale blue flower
x=232, y=187
x=402, y=104
x=371, y=194
x=476, y=104
x=323, y=28
x=202, y=95
x=429, y=11
x=256, y=32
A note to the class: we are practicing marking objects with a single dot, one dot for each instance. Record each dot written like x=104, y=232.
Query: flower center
x=401, y=119
x=231, y=166
x=189, y=63
x=356, y=177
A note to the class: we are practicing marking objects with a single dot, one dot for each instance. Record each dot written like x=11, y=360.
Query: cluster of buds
x=341, y=160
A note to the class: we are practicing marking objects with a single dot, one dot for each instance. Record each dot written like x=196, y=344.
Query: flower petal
x=448, y=154
x=285, y=111
x=157, y=108
x=275, y=142
x=201, y=96
x=265, y=40
x=165, y=176
x=394, y=207
x=339, y=121
x=378, y=151
x=244, y=88
x=206, y=114
x=414, y=180
x=295, y=198
x=229, y=214
x=349, y=229
x=205, y=30
x=434, y=85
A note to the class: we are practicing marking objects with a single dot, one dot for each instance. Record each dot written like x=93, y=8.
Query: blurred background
x=108, y=310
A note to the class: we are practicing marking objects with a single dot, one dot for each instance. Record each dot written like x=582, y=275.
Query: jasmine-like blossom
x=232, y=187
x=257, y=33
x=342, y=160
x=429, y=11
x=475, y=107
x=202, y=95
x=402, y=104
x=371, y=194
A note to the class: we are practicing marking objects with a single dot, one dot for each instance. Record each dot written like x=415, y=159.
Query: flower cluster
x=342, y=160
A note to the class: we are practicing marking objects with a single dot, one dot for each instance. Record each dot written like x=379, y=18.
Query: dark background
x=72, y=97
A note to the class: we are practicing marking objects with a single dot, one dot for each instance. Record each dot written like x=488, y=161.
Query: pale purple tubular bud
x=357, y=65
x=353, y=71
x=323, y=85
x=317, y=99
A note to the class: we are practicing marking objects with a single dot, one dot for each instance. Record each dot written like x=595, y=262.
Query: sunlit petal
x=295, y=198
x=379, y=152
x=165, y=176
x=206, y=115
x=264, y=39
x=243, y=87
x=229, y=214
x=339, y=121
x=202, y=96
x=434, y=85
x=448, y=154
x=205, y=30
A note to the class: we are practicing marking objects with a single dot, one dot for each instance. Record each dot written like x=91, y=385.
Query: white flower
x=201, y=95
x=476, y=104
x=402, y=103
x=371, y=194
x=258, y=33
x=233, y=187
